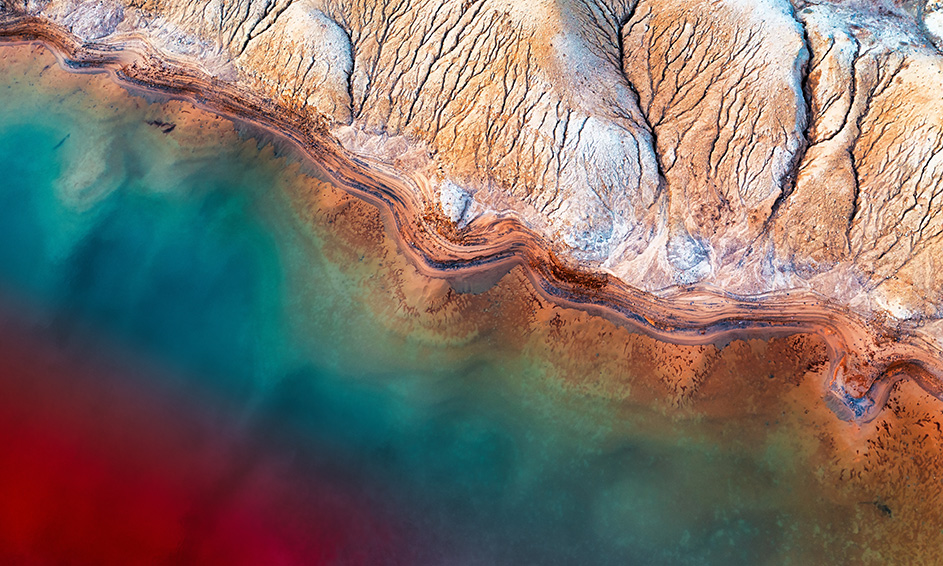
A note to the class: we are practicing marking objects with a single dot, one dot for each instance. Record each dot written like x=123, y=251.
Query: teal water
x=192, y=257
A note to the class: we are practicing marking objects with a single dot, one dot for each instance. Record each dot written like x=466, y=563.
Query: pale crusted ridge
x=304, y=58
x=720, y=87
x=864, y=223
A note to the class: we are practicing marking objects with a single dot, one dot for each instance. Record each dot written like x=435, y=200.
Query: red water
x=100, y=466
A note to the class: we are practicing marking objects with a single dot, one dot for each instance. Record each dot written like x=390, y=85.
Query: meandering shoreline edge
x=867, y=356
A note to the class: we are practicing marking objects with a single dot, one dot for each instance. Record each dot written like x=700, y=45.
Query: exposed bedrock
x=720, y=86
x=867, y=200
x=744, y=146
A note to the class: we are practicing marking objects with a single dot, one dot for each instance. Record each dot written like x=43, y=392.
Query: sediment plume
x=699, y=172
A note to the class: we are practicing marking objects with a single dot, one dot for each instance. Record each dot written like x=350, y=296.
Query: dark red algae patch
x=104, y=461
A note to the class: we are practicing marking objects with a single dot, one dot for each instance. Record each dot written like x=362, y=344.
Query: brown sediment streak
x=867, y=356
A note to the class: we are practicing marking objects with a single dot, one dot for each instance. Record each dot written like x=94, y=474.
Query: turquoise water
x=190, y=257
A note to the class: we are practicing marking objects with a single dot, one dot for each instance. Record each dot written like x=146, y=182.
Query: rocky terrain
x=756, y=149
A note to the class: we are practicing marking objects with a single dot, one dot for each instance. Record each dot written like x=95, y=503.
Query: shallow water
x=213, y=355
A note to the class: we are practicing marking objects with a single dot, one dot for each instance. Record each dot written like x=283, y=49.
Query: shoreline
x=867, y=357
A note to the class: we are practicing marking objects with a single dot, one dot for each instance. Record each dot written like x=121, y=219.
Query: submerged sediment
x=687, y=292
